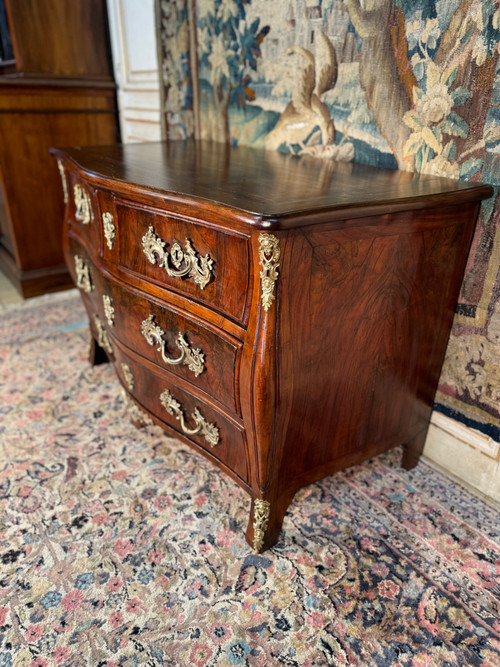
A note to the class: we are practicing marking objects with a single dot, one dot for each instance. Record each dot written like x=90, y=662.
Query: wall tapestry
x=404, y=84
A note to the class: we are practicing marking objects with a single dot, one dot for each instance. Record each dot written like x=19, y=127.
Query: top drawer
x=206, y=264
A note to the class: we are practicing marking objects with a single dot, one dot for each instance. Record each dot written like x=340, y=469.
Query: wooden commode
x=287, y=317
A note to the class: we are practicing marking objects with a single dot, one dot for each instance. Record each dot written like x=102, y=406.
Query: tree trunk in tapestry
x=388, y=98
x=221, y=99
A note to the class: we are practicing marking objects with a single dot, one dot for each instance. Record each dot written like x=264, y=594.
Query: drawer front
x=202, y=263
x=172, y=340
x=189, y=416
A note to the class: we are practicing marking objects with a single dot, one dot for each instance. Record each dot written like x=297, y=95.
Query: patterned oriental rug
x=122, y=547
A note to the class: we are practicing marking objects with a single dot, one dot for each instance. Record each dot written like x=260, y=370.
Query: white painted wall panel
x=133, y=42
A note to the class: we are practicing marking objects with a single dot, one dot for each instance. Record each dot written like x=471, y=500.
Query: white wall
x=133, y=42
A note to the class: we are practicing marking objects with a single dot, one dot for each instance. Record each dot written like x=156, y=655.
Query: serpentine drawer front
x=286, y=317
x=186, y=257
x=187, y=347
x=209, y=430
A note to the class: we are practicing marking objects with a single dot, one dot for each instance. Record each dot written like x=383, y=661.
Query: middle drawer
x=172, y=340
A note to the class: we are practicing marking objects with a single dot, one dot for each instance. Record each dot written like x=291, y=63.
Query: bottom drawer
x=202, y=425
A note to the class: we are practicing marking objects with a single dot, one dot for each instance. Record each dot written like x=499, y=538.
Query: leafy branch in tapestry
x=435, y=120
x=423, y=84
x=229, y=49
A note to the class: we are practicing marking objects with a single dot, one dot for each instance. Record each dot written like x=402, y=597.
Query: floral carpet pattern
x=121, y=547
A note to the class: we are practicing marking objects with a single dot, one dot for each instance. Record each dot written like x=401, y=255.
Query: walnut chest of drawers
x=287, y=317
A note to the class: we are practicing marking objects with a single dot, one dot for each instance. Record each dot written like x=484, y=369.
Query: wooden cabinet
x=287, y=317
x=56, y=89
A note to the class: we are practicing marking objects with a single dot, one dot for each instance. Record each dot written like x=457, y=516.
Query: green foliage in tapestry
x=228, y=48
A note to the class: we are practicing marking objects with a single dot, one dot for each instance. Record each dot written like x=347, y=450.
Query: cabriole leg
x=266, y=519
x=96, y=354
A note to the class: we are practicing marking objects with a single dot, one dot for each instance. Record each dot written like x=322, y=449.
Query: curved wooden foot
x=266, y=519
x=412, y=450
x=97, y=355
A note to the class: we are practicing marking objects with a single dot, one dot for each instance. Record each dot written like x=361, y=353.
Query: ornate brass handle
x=197, y=268
x=192, y=358
x=109, y=309
x=102, y=335
x=209, y=431
x=128, y=376
x=82, y=274
x=109, y=229
x=82, y=205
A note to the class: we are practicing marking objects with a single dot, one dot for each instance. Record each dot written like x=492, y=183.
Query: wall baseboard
x=468, y=455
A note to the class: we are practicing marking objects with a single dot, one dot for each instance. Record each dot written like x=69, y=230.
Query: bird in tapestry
x=306, y=114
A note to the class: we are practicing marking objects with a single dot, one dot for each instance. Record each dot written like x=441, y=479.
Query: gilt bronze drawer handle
x=109, y=309
x=82, y=275
x=192, y=358
x=109, y=229
x=82, y=205
x=209, y=431
x=197, y=268
x=102, y=335
x=128, y=376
